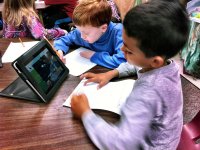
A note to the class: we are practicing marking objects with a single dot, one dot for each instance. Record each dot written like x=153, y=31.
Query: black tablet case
x=20, y=90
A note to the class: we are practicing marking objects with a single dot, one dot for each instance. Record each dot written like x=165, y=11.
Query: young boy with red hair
x=95, y=31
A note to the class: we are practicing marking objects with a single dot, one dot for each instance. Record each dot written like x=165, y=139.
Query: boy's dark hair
x=161, y=27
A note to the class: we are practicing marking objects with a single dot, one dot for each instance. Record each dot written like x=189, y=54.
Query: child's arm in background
x=38, y=31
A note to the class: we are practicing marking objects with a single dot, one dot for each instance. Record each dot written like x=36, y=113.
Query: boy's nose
x=123, y=50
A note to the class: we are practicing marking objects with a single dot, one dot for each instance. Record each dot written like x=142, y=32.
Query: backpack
x=191, y=52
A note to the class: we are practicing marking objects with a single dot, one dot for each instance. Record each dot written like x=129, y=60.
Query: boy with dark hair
x=96, y=32
x=151, y=118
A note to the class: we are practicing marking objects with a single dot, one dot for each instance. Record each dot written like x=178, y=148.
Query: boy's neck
x=143, y=70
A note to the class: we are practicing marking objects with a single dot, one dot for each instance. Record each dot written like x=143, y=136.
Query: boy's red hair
x=92, y=12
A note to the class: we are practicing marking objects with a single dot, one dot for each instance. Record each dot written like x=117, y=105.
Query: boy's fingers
x=88, y=75
x=90, y=80
x=101, y=84
x=85, y=75
x=82, y=76
x=63, y=60
x=74, y=100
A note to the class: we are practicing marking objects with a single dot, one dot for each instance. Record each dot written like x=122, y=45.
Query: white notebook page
x=15, y=50
x=110, y=97
x=77, y=64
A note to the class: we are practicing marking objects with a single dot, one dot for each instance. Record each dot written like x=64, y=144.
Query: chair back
x=190, y=134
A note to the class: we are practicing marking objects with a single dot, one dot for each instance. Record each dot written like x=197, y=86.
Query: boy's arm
x=108, y=61
x=124, y=70
x=134, y=124
x=63, y=43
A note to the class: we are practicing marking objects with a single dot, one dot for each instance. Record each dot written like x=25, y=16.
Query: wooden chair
x=190, y=134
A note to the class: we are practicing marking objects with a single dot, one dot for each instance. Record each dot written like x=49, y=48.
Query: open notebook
x=110, y=97
x=15, y=50
x=77, y=64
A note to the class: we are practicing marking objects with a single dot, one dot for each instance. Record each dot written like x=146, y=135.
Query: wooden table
x=40, y=126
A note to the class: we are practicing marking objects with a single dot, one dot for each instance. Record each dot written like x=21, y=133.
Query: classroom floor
x=191, y=96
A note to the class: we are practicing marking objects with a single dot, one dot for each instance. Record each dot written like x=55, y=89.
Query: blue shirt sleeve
x=111, y=60
x=63, y=43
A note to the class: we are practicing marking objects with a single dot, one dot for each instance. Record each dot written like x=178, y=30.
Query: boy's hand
x=102, y=78
x=87, y=54
x=60, y=55
x=65, y=31
x=79, y=105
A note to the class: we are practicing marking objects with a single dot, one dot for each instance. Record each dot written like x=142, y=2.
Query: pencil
x=63, y=59
x=21, y=42
x=51, y=45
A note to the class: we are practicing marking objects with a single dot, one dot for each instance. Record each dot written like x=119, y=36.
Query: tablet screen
x=45, y=70
x=41, y=69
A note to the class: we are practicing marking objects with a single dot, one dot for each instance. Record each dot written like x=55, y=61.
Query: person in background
x=64, y=10
x=95, y=32
x=151, y=118
x=125, y=5
x=21, y=20
x=60, y=11
x=67, y=5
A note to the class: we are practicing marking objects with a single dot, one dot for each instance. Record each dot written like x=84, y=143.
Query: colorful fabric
x=191, y=52
x=35, y=30
x=193, y=6
x=138, y=2
x=115, y=12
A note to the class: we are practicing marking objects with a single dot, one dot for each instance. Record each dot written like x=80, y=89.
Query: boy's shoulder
x=162, y=76
x=116, y=25
x=116, y=28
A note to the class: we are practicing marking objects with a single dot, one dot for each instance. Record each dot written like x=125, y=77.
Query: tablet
x=41, y=69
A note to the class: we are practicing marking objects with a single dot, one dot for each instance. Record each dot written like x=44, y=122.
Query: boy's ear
x=157, y=62
x=104, y=27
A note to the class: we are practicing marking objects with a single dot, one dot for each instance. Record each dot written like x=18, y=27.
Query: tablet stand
x=20, y=90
